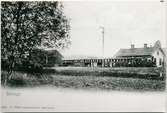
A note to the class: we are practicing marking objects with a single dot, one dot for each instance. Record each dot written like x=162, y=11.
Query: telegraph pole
x=102, y=40
x=102, y=45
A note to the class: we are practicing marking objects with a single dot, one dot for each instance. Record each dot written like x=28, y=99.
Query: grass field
x=134, y=72
x=108, y=83
x=120, y=79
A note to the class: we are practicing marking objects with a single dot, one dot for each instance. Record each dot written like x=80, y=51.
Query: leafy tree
x=28, y=25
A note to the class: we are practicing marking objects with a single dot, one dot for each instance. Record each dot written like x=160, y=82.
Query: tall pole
x=102, y=40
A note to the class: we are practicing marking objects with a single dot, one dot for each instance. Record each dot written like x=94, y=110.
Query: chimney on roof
x=145, y=45
x=132, y=46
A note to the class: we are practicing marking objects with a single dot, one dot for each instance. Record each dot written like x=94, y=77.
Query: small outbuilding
x=48, y=58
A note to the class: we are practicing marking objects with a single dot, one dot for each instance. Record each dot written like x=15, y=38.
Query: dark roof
x=54, y=52
x=48, y=52
x=135, y=52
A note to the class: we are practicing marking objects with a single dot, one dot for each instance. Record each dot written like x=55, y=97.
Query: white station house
x=156, y=52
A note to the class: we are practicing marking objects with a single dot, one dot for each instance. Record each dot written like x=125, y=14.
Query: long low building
x=112, y=62
x=132, y=57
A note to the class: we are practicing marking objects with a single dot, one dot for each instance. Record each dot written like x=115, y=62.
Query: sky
x=125, y=23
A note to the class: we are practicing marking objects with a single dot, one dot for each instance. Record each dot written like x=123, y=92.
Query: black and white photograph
x=83, y=56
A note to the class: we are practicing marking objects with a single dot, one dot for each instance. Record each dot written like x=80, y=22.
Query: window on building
x=160, y=61
x=157, y=52
x=154, y=59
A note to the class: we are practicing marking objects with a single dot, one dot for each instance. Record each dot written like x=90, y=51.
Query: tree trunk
x=10, y=71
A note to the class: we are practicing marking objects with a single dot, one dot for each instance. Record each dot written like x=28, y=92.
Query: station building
x=157, y=53
x=154, y=56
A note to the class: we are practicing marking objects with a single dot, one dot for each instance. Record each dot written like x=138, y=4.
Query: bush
x=20, y=79
x=17, y=81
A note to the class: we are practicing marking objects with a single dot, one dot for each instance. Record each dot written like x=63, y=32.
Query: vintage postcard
x=83, y=56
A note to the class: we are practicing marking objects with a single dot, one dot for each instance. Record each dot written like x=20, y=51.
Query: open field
x=134, y=72
x=99, y=69
x=129, y=79
x=119, y=79
x=108, y=83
